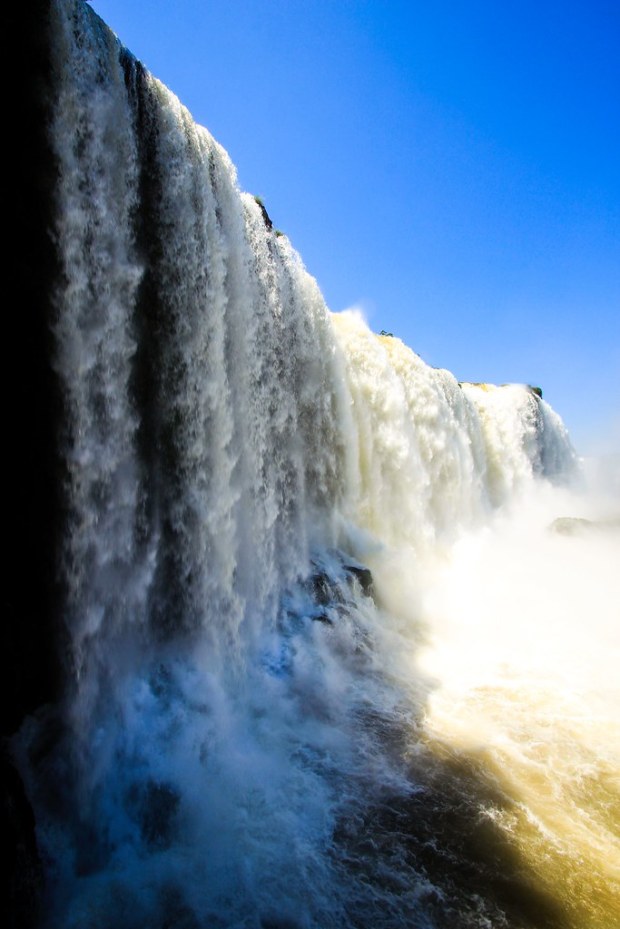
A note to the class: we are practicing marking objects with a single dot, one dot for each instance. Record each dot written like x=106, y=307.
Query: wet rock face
x=364, y=577
x=330, y=591
x=263, y=209
x=22, y=872
x=31, y=637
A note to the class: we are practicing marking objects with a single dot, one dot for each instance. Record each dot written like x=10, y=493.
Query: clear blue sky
x=450, y=166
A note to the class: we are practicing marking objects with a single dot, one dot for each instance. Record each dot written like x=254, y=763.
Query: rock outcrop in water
x=577, y=525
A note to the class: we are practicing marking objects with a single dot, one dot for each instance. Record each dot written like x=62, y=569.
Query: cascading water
x=254, y=730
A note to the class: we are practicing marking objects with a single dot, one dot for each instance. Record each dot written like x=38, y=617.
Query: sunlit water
x=524, y=647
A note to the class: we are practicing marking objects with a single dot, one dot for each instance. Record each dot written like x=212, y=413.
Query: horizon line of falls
x=304, y=685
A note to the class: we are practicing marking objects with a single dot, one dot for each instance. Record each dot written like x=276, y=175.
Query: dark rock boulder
x=331, y=589
x=363, y=576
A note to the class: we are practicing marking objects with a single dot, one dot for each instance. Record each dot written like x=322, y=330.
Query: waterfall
x=213, y=406
x=196, y=361
x=254, y=492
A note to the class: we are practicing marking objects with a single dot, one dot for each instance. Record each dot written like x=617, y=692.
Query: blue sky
x=452, y=168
